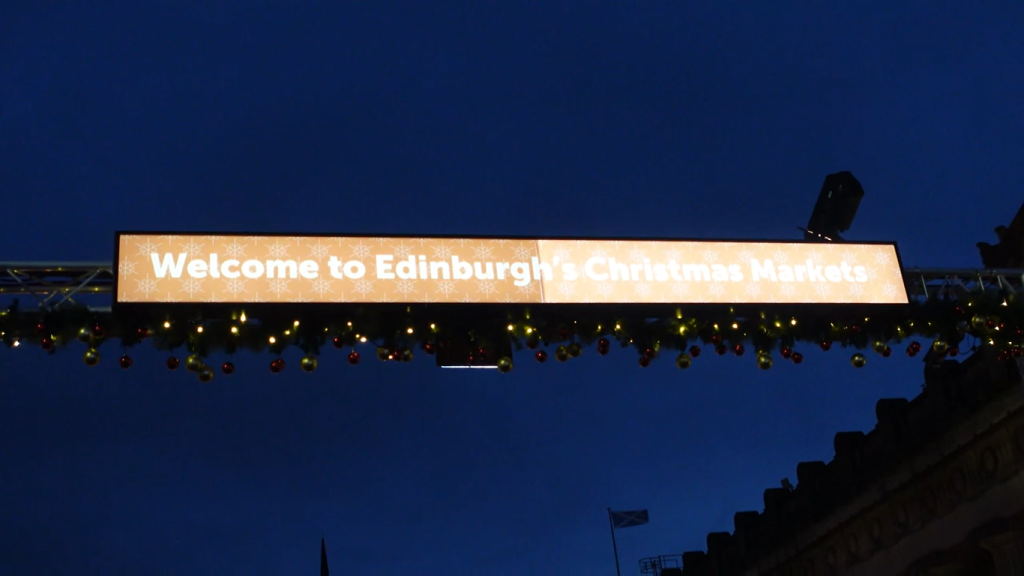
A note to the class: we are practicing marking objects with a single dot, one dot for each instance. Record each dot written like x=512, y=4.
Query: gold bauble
x=406, y=355
x=858, y=360
x=940, y=346
x=204, y=373
x=308, y=363
x=383, y=352
x=879, y=346
x=505, y=365
x=561, y=354
x=683, y=360
x=978, y=322
x=764, y=361
x=575, y=349
x=91, y=357
x=193, y=363
x=84, y=336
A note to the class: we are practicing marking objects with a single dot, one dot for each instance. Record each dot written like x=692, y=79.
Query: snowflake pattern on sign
x=618, y=271
x=192, y=249
x=191, y=286
x=235, y=250
x=319, y=251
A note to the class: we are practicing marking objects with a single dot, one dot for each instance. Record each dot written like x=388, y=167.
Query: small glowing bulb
x=287, y=332
x=792, y=322
x=17, y=343
x=618, y=326
x=199, y=329
x=778, y=324
x=408, y=330
x=349, y=324
x=272, y=340
x=682, y=329
x=234, y=329
x=167, y=324
x=529, y=330
x=433, y=326
x=716, y=326
x=363, y=339
x=1004, y=303
x=735, y=326
x=295, y=324
x=511, y=327
x=242, y=317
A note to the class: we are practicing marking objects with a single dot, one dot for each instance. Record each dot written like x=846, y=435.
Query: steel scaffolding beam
x=55, y=284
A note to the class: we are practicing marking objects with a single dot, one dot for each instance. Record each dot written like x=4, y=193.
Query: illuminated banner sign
x=183, y=268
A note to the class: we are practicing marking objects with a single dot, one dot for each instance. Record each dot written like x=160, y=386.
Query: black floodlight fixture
x=837, y=205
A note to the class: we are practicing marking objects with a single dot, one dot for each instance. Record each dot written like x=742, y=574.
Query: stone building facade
x=937, y=488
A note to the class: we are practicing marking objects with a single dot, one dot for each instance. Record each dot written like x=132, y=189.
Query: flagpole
x=615, y=548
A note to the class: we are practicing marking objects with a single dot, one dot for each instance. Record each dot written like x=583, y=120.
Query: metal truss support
x=56, y=284
x=924, y=283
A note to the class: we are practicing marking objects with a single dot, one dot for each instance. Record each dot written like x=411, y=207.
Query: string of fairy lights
x=948, y=327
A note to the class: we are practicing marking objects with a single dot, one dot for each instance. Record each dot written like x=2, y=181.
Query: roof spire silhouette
x=323, y=559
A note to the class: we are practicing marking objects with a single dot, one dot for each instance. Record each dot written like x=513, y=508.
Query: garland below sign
x=189, y=268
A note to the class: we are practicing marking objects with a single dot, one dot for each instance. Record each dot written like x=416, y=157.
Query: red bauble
x=990, y=323
x=98, y=331
x=1016, y=352
x=694, y=351
x=720, y=349
x=172, y=363
x=338, y=342
x=953, y=351
x=428, y=347
x=125, y=361
x=277, y=366
x=1004, y=356
x=47, y=343
x=353, y=357
x=541, y=356
x=886, y=352
x=716, y=339
x=645, y=361
x=141, y=333
x=227, y=368
x=786, y=352
x=40, y=328
x=738, y=349
x=565, y=333
x=481, y=353
x=649, y=353
x=854, y=329
x=825, y=345
x=797, y=358
x=532, y=343
x=602, y=349
x=959, y=310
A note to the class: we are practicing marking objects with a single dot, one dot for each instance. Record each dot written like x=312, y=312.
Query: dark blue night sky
x=662, y=119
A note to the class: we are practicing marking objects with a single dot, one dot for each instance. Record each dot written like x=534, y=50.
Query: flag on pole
x=628, y=518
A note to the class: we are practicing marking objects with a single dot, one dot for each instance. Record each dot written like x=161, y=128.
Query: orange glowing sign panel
x=182, y=268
